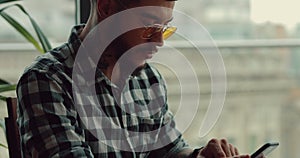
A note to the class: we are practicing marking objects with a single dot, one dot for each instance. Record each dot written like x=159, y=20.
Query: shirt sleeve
x=47, y=119
x=172, y=149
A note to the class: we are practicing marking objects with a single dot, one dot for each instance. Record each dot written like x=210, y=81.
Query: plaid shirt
x=52, y=126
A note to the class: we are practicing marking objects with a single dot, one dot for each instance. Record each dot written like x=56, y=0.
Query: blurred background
x=260, y=45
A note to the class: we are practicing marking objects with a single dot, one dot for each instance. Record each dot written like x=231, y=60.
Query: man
x=53, y=118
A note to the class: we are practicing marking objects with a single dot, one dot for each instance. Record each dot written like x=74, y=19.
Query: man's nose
x=158, y=38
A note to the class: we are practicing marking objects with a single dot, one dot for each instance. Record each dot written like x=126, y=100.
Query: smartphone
x=264, y=150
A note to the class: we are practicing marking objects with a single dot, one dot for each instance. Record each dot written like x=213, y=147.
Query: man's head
x=104, y=8
x=152, y=23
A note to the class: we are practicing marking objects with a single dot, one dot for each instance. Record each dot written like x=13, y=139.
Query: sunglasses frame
x=151, y=30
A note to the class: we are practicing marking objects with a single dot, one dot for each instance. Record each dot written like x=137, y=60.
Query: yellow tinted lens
x=169, y=32
x=151, y=30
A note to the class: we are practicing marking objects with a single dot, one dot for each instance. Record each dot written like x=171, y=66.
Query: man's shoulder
x=151, y=71
x=151, y=74
x=52, y=62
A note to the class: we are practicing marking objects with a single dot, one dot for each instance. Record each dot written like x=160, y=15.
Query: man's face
x=138, y=45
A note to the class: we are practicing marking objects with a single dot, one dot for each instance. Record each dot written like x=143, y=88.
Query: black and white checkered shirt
x=52, y=126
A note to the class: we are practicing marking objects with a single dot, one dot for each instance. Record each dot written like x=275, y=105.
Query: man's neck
x=113, y=73
x=118, y=73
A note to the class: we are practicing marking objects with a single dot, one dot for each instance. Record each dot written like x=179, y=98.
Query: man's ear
x=106, y=7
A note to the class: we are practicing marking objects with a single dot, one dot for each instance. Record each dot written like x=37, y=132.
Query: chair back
x=12, y=131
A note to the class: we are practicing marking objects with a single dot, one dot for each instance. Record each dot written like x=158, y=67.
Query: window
x=16, y=53
x=56, y=21
x=259, y=44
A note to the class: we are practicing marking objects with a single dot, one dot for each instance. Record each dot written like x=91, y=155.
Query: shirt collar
x=74, y=44
x=74, y=39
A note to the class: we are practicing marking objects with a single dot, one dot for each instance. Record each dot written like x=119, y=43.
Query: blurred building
x=225, y=20
x=259, y=84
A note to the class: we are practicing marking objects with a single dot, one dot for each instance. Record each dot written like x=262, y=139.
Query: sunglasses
x=166, y=30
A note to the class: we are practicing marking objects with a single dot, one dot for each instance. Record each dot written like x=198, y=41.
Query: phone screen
x=264, y=150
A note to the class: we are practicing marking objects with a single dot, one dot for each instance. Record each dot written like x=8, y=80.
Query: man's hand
x=220, y=149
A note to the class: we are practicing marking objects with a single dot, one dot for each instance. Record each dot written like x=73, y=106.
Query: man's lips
x=149, y=54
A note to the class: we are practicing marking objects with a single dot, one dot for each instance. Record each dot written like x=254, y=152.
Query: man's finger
x=242, y=156
x=236, y=151
x=226, y=148
x=219, y=151
x=232, y=150
x=214, y=149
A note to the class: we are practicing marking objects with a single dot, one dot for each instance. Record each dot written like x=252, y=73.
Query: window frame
x=82, y=11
